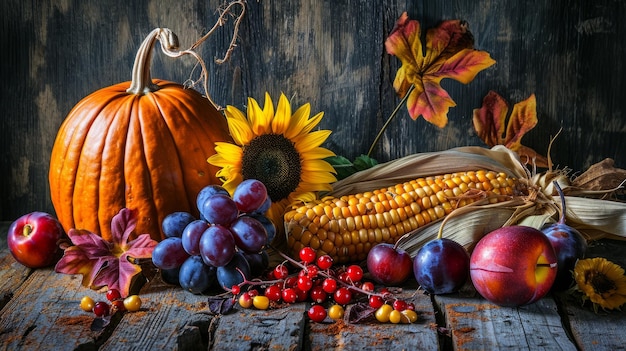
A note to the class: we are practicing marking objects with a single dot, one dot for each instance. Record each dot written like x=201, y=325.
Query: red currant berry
x=101, y=309
x=329, y=285
x=290, y=295
x=273, y=293
x=410, y=306
x=302, y=295
x=236, y=289
x=317, y=313
x=344, y=277
x=305, y=283
x=118, y=305
x=252, y=293
x=281, y=272
x=113, y=294
x=291, y=281
x=317, y=294
x=324, y=262
x=376, y=301
x=343, y=296
x=312, y=271
x=399, y=305
x=307, y=255
x=355, y=273
x=367, y=286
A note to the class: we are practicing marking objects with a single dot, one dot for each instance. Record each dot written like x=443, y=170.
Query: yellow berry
x=245, y=301
x=132, y=303
x=87, y=303
x=382, y=313
x=261, y=302
x=395, y=316
x=410, y=315
x=335, y=312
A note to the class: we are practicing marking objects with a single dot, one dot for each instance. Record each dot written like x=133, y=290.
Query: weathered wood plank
x=170, y=319
x=250, y=329
x=421, y=335
x=44, y=314
x=602, y=331
x=475, y=324
x=12, y=274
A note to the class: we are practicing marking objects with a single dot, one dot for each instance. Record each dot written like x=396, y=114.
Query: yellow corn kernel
x=347, y=227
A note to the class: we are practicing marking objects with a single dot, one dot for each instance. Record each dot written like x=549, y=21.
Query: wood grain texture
x=475, y=324
x=328, y=53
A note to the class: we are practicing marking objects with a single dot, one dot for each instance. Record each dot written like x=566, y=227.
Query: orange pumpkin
x=141, y=144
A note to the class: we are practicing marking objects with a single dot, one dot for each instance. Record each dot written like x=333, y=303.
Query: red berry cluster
x=115, y=303
x=314, y=279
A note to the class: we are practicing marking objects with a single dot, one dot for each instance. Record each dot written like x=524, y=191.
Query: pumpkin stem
x=141, y=80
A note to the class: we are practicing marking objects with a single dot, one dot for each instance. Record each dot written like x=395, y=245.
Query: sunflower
x=279, y=149
x=601, y=281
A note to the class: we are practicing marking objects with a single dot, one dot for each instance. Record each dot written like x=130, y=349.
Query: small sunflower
x=279, y=149
x=602, y=282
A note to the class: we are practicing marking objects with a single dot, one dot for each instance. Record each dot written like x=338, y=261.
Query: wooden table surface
x=40, y=311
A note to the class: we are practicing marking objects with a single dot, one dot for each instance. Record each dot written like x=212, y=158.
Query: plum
x=441, y=266
x=569, y=246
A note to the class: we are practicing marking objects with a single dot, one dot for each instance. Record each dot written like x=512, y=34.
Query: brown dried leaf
x=221, y=305
x=360, y=313
x=601, y=177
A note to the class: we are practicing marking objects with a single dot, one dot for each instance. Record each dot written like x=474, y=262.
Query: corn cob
x=347, y=227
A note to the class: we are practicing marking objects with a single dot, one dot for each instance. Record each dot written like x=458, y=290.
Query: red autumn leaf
x=449, y=53
x=104, y=263
x=490, y=120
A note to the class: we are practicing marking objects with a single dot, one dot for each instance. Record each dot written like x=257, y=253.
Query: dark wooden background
x=570, y=53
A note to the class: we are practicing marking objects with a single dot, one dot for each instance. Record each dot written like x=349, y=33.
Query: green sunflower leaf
x=345, y=168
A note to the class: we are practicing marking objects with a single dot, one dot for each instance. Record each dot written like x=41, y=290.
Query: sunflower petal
x=257, y=118
x=317, y=165
x=282, y=117
x=312, y=122
x=225, y=153
x=240, y=131
x=318, y=177
x=299, y=121
x=317, y=154
x=310, y=141
x=268, y=109
x=234, y=113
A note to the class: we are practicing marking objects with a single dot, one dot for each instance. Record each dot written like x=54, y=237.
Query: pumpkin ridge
x=112, y=181
x=90, y=183
x=63, y=178
x=193, y=113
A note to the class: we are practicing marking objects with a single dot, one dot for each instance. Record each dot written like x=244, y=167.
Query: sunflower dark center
x=600, y=282
x=274, y=160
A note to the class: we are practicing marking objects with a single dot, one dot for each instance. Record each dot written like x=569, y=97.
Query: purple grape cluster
x=228, y=240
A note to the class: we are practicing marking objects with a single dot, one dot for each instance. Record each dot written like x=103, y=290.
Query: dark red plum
x=569, y=246
x=441, y=266
x=388, y=264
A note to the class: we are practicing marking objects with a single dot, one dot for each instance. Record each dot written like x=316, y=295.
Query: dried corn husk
x=498, y=159
x=595, y=218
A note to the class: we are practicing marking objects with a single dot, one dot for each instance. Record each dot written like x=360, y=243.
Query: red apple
x=34, y=239
x=513, y=266
x=388, y=264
